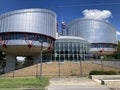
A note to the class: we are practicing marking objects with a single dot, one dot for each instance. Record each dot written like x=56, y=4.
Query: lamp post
x=41, y=41
x=59, y=66
x=101, y=50
x=80, y=65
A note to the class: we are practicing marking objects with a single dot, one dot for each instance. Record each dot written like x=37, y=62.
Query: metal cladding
x=100, y=33
x=26, y=27
x=40, y=21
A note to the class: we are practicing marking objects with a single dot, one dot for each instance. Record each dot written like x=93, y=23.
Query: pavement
x=81, y=83
x=111, y=81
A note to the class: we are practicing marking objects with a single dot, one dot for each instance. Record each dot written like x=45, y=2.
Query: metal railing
x=63, y=69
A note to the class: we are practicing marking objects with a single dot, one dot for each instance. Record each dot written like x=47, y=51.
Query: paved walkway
x=75, y=84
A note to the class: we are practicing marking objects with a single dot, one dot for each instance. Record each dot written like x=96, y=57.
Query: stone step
x=111, y=82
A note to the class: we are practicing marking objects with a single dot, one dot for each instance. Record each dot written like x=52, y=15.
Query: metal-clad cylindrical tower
x=101, y=34
x=27, y=27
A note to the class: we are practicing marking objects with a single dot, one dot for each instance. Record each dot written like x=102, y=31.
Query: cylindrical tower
x=22, y=31
x=101, y=34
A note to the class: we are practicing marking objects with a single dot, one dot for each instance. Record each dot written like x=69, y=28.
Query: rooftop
x=71, y=37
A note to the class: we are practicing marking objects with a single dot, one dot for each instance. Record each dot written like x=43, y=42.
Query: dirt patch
x=55, y=69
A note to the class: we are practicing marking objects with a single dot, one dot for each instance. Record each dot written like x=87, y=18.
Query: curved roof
x=85, y=19
x=27, y=10
x=71, y=37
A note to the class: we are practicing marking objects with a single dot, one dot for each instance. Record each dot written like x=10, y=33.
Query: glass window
x=66, y=45
x=70, y=46
x=57, y=46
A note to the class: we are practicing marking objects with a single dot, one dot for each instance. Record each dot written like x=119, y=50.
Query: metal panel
x=95, y=31
x=41, y=21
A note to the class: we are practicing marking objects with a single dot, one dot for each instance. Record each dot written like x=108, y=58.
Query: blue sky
x=69, y=9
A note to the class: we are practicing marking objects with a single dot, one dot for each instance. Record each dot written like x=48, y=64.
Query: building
x=23, y=32
x=70, y=48
x=32, y=32
x=100, y=33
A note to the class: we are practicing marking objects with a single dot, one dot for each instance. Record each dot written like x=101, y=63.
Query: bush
x=119, y=72
x=110, y=72
x=96, y=72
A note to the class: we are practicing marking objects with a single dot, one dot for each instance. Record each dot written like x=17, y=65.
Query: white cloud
x=96, y=14
x=118, y=33
x=20, y=58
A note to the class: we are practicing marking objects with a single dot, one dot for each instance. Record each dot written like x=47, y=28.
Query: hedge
x=96, y=72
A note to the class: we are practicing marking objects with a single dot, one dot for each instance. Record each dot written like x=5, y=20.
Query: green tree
x=117, y=53
x=2, y=62
x=19, y=64
x=28, y=61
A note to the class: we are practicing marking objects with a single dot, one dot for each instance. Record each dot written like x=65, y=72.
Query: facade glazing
x=71, y=48
x=101, y=34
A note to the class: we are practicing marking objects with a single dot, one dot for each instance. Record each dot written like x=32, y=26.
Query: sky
x=68, y=10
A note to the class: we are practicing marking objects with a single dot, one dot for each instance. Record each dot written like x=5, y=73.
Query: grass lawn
x=22, y=83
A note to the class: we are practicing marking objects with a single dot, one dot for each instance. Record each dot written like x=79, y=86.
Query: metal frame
x=25, y=35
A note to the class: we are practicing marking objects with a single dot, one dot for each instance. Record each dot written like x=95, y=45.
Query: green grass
x=14, y=84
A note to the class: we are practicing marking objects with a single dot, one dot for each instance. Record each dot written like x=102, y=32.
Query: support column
x=10, y=63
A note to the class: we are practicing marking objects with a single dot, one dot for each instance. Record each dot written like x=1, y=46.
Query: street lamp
x=101, y=50
x=41, y=41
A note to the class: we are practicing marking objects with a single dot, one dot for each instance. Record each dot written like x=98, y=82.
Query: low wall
x=109, y=80
x=100, y=77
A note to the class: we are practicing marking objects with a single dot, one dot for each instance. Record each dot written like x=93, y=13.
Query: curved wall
x=71, y=48
x=40, y=21
x=22, y=28
x=97, y=32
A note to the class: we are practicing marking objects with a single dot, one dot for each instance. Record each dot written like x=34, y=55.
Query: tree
x=28, y=61
x=2, y=62
x=19, y=64
x=117, y=53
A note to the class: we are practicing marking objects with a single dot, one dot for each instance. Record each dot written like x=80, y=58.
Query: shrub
x=119, y=72
x=96, y=72
x=110, y=72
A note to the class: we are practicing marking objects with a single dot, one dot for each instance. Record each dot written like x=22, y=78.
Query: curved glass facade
x=102, y=45
x=97, y=32
x=71, y=48
x=26, y=37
